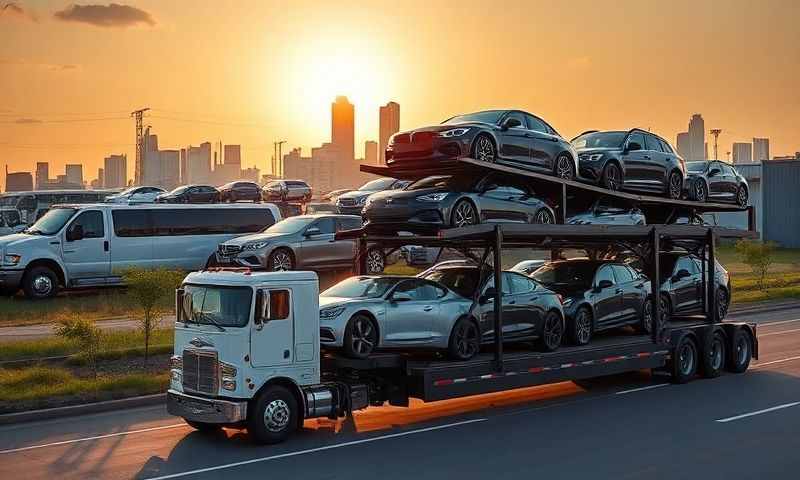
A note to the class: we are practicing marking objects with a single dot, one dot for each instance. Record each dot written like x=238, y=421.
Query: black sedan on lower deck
x=456, y=201
x=715, y=181
x=598, y=295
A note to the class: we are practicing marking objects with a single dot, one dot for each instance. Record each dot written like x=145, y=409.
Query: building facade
x=371, y=152
x=343, y=128
x=115, y=171
x=198, y=164
x=760, y=149
x=389, y=124
x=42, y=174
x=74, y=173
x=697, y=138
x=682, y=145
x=742, y=152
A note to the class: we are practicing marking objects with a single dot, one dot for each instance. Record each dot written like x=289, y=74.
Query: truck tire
x=741, y=351
x=684, y=360
x=203, y=427
x=40, y=282
x=274, y=415
x=714, y=356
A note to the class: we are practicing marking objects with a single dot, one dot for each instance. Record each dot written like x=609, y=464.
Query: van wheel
x=714, y=356
x=464, y=340
x=203, y=427
x=684, y=361
x=274, y=416
x=40, y=282
x=741, y=353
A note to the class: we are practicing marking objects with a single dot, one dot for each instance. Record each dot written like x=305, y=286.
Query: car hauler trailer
x=265, y=371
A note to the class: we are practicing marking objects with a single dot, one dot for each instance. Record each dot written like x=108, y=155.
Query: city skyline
x=275, y=75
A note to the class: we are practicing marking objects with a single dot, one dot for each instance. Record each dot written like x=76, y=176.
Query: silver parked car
x=287, y=191
x=364, y=313
x=301, y=242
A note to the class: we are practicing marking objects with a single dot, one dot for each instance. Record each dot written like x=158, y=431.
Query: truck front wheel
x=274, y=415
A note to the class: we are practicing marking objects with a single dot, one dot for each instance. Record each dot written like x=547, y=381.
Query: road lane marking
x=757, y=412
x=779, y=322
x=97, y=437
x=649, y=387
x=782, y=332
x=782, y=360
x=314, y=450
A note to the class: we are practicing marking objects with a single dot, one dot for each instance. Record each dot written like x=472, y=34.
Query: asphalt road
x=629, y=426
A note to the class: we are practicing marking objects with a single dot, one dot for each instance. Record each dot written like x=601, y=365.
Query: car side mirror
x=75, y=232
x=312, y=232
x=401, y=297
x=603, y=284
x=682, y=273
x=510, y=123
x=632, y=147
x=262, y=309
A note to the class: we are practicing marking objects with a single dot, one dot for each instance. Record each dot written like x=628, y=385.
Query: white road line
x=314, y=450
x=782, y=332
x=649, y=387
x=97, y=437
x=757, y=412
x=773, y=362
x=779, y=322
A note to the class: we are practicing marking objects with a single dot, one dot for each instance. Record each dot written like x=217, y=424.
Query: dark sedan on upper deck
x=511, y=137
x=715, y=181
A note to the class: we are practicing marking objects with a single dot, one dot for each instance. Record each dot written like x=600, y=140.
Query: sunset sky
x=252, y=72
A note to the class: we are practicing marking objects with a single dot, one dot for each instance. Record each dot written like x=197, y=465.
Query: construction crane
x=137, y=172
x=715, y=132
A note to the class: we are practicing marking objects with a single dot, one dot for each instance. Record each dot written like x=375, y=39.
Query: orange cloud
x=111, y=15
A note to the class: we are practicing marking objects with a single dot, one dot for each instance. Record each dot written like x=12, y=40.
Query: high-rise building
x=343, y=129
x=697, y=138
x=297, y=166
x=389, y=124
x=74, y=174
x=101, y=178
x=760, y=149
x=115, y=171
x=742, y=153
x=169, y=173
x=19, y=181
x=371, y=152
x=233, y=155
x=42, y=174
x=198, y=164
x=682, y=143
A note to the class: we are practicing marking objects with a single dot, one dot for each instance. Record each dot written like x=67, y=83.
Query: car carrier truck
x=247, y=350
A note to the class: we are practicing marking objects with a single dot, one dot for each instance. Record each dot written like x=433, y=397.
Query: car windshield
x=377, y=185
x=51, y=222
x=600, y=140
x=566, y=273
x=696, y=167
x=490, y=116
x=290, y=225
x=361, y=287
x=463, y=281
x=214, y=305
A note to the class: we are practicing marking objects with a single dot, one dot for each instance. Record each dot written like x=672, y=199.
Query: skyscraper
x=42, y=174
x=760, y=149
x=74, y=173
x=233, y=155
x=343, y=128
x=682, y=143
x=371, y=152
x=115, y=171
x=697, y=138
x=198, y=164
x=389, y=125
x=742, y=152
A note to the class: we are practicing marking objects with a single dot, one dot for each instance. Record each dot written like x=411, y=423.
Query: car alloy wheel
x=466, y=340
x=664, y=308
x=583, y=327
x=375, y=261
x=464, y=214
x=484, y=149
x=700, y=191
x=276, y=415
x=363, y=336
x=281, y=261
x=612, y=178
x=675, y=185
x=647, y=316
x=553, y=331
x=564, y=168
x=543, y=217
x=741, y=197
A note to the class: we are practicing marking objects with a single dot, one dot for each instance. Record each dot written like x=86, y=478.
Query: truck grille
x=228, y=250
x=200, y=371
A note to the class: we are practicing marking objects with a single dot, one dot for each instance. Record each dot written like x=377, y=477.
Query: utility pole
x=137, y=172
x=715, y=132
x=278, y=167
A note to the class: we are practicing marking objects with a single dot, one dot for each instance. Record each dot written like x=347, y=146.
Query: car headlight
x=255, y=245
x=432, y=197
x=456, y=132
x=593, y=157
x=567, y=301
x=362, y=200
x=331, y=312
x=11, y=259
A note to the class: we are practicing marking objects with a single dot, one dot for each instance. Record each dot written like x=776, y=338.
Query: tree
x=150, y=289
x=86, y=334
x=759, y=256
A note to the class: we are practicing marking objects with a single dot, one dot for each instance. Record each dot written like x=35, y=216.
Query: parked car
x=609, y=211
x=527, y=267
x=190, y=194
x=682, y=287
x=715, y=181
x=240, y=191
x=301, y=242
x=334, y=194
x=366, y=313
x=321, y=208
x=136, y=195
x=287, y=191
x=351, y=203
x=504, y=136
x=458, y=201
x=633, y=160
x=598, y=295
x=95, y=244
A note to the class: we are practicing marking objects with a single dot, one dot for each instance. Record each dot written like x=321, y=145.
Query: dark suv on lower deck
x=633, y=160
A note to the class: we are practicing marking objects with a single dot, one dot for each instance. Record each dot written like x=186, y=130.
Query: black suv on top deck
x=632, y=160
x=504, y=136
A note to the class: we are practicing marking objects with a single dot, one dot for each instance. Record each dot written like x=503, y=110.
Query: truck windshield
x=51, y=222
x=215, y=305
x=361, y=287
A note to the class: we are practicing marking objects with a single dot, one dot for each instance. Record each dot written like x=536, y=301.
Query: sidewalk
x=34, y=332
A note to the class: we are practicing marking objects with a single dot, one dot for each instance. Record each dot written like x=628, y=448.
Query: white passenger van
x=93, y=245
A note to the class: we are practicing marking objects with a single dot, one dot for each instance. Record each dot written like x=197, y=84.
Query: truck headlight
x=11, y=259
x=329, y=313
x=227, y=372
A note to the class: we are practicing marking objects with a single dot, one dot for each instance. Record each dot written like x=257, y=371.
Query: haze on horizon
x=252, y=72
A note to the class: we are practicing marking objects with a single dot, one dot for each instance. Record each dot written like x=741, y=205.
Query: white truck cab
x=247, y=353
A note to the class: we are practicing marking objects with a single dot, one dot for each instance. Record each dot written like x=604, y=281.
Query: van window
x=132, y=223
x=211, y=221
x=92, y=223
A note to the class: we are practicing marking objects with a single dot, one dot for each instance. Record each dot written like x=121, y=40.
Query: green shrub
x=759, y=256
x=86, y=335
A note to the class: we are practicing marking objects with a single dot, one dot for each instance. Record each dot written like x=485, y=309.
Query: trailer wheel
x=552, y=332
x=714, y=356
x=684, y=360
x=203, y=427
x=464, y=340
x=274, y=415
x=741, y=352
x=581, y=327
